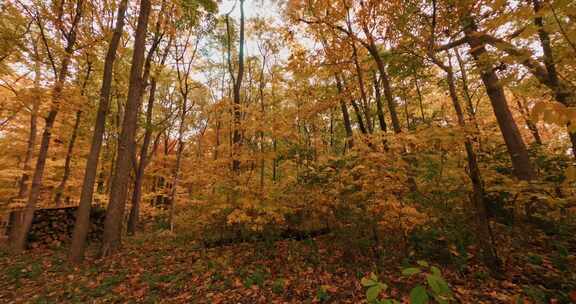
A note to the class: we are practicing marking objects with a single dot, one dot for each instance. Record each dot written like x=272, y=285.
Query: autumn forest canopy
x=298, y=151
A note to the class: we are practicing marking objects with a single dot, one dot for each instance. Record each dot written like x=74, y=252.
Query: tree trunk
x=139, y=176
x=119, y=189
x=378, y=97
x=33, y=127
x=387, y=88
x=364, y=98
x=82, y=224
x=179, y=153
x=560, y=95
x=22, y=235
x=523, y=108
x=483, y=230
x=60, y=188
x=514, y=142
x=359, y=117
x=237, y=139
x=345, y=115
x=62, y=185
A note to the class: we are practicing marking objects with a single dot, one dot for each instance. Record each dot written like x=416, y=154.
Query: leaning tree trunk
x=22, y=235
x=82, y=223
x=514, y=142
x=119, y=189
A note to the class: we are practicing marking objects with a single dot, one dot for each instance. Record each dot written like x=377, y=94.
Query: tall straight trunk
x=373, y=50
x=115, y=212
x=262, y=120
x=364, y=98
x=419, y=93
x=23, y=185
x=387, y=88
x=359, y=117
x=237, y=139
x=523, y=108
x=483, y=230
x=67, y=164
x=22, y=235
x=82, y=223
x=179, y=152
x=143, y=162
x=521, y=163
x=378, y=97
x=464, y=75
x=140, y=166
x=345, y=115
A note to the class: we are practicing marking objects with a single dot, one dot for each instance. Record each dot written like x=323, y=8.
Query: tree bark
x=82, y=223
x=22, y=235
x=237, y=139
x=142, y=163
x=179, y=153
x=119, y=189
x=523, y=108
x=483, y=230
x=521, y=163
x=387, y=88
x=345, y=115
x=60, y=188
x=378, y=97
x=67, y=163
x=33, y=127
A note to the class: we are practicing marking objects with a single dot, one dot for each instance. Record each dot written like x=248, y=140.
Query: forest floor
x=161, y=268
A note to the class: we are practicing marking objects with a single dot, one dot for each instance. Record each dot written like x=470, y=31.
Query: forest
x=288, y=151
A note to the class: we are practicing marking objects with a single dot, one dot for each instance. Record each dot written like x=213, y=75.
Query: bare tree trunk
x=359, y=117
x=179, y=153
x=378, y=97
x=60, y=188
x=143, y=162
x=82, y=224
x=560, y=95
x=523, y=108
x=237, y=139
x=67, y=163
x=345, y=115
x=33, y=126
x=483, y=230
x=365, y=107
x=119, y=190
x=516, y=148
x=387, y=89
x=419, y=93
x=262, y=120
x=22, y=235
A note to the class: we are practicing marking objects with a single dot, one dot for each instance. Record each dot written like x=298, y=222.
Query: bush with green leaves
x=433, y=286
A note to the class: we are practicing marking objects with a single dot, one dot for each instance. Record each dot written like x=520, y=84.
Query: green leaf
x=373, y=292
x=438, y=285
x=410, y=271
x=436, y=271
x=422, y=263
x=418, y=295
x=367, y=282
